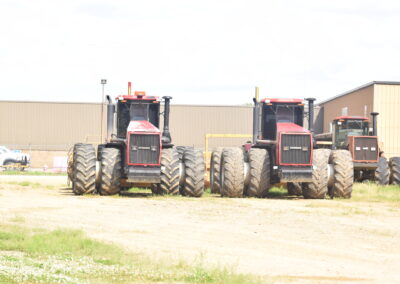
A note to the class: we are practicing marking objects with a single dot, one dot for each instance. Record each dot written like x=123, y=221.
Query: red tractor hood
x=142, y=126
x=290, y=127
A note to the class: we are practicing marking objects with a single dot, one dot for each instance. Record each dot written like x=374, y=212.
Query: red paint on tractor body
x=146, y=128
x=292, y=129
x=137, y=98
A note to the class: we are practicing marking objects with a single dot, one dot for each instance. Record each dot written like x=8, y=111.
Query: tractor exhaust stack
x=256, y=117
x=166, y=134
x=110, y=118
x=374, y=123
x=311, y=114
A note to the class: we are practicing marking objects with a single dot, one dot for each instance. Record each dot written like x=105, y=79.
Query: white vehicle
x=13, y=159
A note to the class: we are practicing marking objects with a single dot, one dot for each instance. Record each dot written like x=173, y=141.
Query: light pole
x=103, y=82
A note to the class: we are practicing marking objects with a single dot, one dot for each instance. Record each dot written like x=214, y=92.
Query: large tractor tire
x=193, y=162
x=318, y=188
x=343, y=173
x=100, y=148
x=215, y=167
x=111, y=171
x=232, y=173
x=260, y=173
x=181, y=150
x=169, y=172
x=382, y=173
x=71, y=163
x=295, y=188
x=394, y=164
x=84, y=169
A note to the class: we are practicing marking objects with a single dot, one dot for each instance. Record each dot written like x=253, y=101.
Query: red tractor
x=137, y=153
x=352, y=133
x=281, y=152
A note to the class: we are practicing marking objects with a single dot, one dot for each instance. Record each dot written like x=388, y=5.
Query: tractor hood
x=290, y=127
x=142, y=126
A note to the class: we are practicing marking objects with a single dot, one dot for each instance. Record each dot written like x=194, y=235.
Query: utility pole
x=103, y=82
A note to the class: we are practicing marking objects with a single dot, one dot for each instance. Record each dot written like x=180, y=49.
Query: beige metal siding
x=57, y=126
x=48, y=126
x=355, y=102
x=387, y=103
x=189, y=124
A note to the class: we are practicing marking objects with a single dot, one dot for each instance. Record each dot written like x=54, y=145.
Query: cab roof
x=288, y=101
x=137, y=96
x=344, y=117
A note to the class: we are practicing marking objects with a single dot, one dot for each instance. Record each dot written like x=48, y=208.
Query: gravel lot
x=300, y=240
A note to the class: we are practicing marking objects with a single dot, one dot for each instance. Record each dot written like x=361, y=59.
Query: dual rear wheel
x=84, y=164
x=332, y=174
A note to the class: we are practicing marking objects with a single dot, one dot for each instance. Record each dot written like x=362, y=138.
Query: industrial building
x=378, y=96
x=47, y=130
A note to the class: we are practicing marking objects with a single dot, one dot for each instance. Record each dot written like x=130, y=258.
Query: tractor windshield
x=139, y=111
x=284, y=114
x=350, y=127
x=280, y=113
x=134, y=110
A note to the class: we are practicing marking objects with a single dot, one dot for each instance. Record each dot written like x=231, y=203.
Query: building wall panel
x=57, y=126
x=387, y=103
x=358, y=103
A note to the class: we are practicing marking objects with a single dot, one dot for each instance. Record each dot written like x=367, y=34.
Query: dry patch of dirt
x=294, y=240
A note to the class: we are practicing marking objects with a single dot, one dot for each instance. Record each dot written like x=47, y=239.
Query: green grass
x=30, y=173
x=69, y=256
x=30, y=184
x=371, y=192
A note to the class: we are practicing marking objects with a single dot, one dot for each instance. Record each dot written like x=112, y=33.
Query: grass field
x=30, y=173
x=29, y=255
x=68, y=256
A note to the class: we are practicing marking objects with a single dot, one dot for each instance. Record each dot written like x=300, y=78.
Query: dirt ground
x=298, y=240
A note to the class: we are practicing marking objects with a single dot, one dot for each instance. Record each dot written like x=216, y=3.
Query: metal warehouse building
x=378, y=96
x=49, y=129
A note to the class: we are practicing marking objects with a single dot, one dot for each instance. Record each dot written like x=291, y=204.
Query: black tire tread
x=295, y=188
x=111, y=171
x=260, y=173
x=193, y=161
x=318, y=188
x=394, y=164
x=169, y=172
x=382, y=173
x=343, y=173
x=215, y=166
x=84, y=169
x=232, y=165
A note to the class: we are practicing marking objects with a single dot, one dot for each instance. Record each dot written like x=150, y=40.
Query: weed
x=30, y=173
x=69, y=256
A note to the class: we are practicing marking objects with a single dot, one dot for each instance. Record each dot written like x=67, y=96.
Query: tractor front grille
x=365, y=149
x=295, y=149
x=144, y=149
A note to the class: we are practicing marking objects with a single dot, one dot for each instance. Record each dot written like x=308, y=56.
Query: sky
x=198, y=52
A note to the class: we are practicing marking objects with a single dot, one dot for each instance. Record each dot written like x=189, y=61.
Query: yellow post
x=257, y=94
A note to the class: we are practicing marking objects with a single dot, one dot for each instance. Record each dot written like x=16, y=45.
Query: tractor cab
x=344, y=127
x=132, y=109
x=281, y=115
